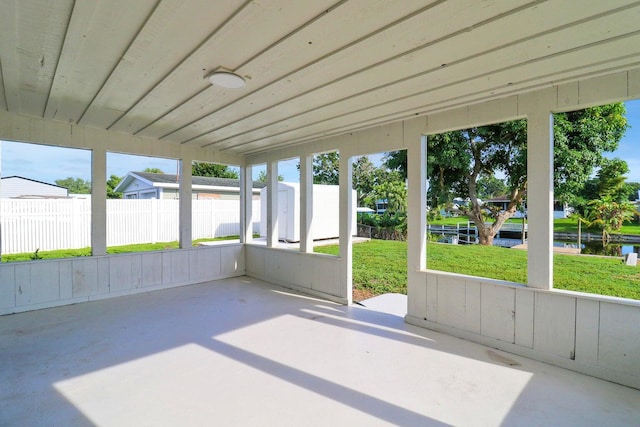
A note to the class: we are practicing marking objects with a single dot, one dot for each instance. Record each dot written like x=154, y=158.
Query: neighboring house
x=146, y=185
x=560, y=210
x=18, y=187
x=502, y=202
x=381, y=206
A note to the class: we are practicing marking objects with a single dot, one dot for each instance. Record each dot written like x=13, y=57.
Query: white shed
x=326, y=203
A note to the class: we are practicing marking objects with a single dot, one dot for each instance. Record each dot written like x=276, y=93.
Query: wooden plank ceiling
x=313, y=68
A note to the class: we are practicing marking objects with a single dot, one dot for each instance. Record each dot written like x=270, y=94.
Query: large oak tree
x=457, y=160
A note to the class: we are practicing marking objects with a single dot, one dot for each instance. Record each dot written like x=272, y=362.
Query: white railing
x=27, y=225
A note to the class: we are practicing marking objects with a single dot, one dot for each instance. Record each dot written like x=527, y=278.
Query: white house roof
x=18, y=187
x=163, y=180
x=16, y=177
x=312, y=68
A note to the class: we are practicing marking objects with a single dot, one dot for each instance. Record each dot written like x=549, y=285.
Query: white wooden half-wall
x=592, y=334
x=313, y=274
x=40, y=284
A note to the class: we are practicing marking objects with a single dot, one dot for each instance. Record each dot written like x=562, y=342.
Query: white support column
x=186, y=204
x=540, y=199
x=306, y=204
x=416, y=226
x=272, y=204
x=417, y=202
x=98, y=201
x=246, y=204
x=346, y=209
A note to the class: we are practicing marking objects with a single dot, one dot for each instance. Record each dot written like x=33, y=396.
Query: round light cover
x=226, y=79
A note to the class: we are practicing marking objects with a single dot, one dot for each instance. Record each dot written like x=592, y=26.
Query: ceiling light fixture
x=225, y=78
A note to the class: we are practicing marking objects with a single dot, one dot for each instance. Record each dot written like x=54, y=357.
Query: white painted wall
x=40, y=284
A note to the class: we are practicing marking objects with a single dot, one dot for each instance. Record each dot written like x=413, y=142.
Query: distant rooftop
x=196, y=180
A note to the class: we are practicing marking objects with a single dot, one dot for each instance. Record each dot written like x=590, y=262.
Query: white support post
x=246, y=204
x=417, y=203
x=98, y=202
x=272, y=204
x=540, y=199
x=306, y=204
x=416, y=226
x=346, y=209
x=186, y=203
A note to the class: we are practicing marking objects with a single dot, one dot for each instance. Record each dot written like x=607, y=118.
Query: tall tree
x=213, y=170
x=608, y=184
x=611, y=179
x=75, y=185
x=580, y=139
x=262, y=177
x=364, y=180
x=456, y=160
x=396, y=161
x=394, y=192
x=633, y=188
x=609, y=215
x=153, y=170
x=326, y=168
x=489, y=186
x=496, y=148
x=112, y=183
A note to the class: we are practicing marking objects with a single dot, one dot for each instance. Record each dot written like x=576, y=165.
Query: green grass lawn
x=570, y=225
x=380, y=266
x=563, y=225
x=72, y=253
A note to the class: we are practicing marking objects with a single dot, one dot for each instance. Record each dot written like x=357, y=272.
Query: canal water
x=596, y=248
x=465, y=234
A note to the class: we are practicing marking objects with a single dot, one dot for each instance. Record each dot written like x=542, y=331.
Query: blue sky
x=46, y=163
x=629, y=147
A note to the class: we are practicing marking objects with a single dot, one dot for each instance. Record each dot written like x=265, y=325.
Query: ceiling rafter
x=468, y=99
x=307, y=65
x=313, y=69
x=432, y=89
x=398, y=80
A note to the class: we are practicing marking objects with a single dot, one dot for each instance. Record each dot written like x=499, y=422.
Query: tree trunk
x=487, y=232
x=485, y=236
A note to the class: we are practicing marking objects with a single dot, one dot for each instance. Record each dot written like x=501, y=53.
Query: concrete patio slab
x=395, y=304
x=244, y=352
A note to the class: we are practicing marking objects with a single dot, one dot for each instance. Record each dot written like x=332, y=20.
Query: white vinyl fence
x=27, y=225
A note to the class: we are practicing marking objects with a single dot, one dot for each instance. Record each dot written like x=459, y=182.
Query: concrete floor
x=243, y=352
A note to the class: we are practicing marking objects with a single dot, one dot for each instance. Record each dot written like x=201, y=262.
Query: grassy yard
x=564, y=225
x=570, y=225
x=72, y=253
x=380, y=266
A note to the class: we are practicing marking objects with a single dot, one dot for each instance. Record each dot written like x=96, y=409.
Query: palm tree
x=609, y=215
